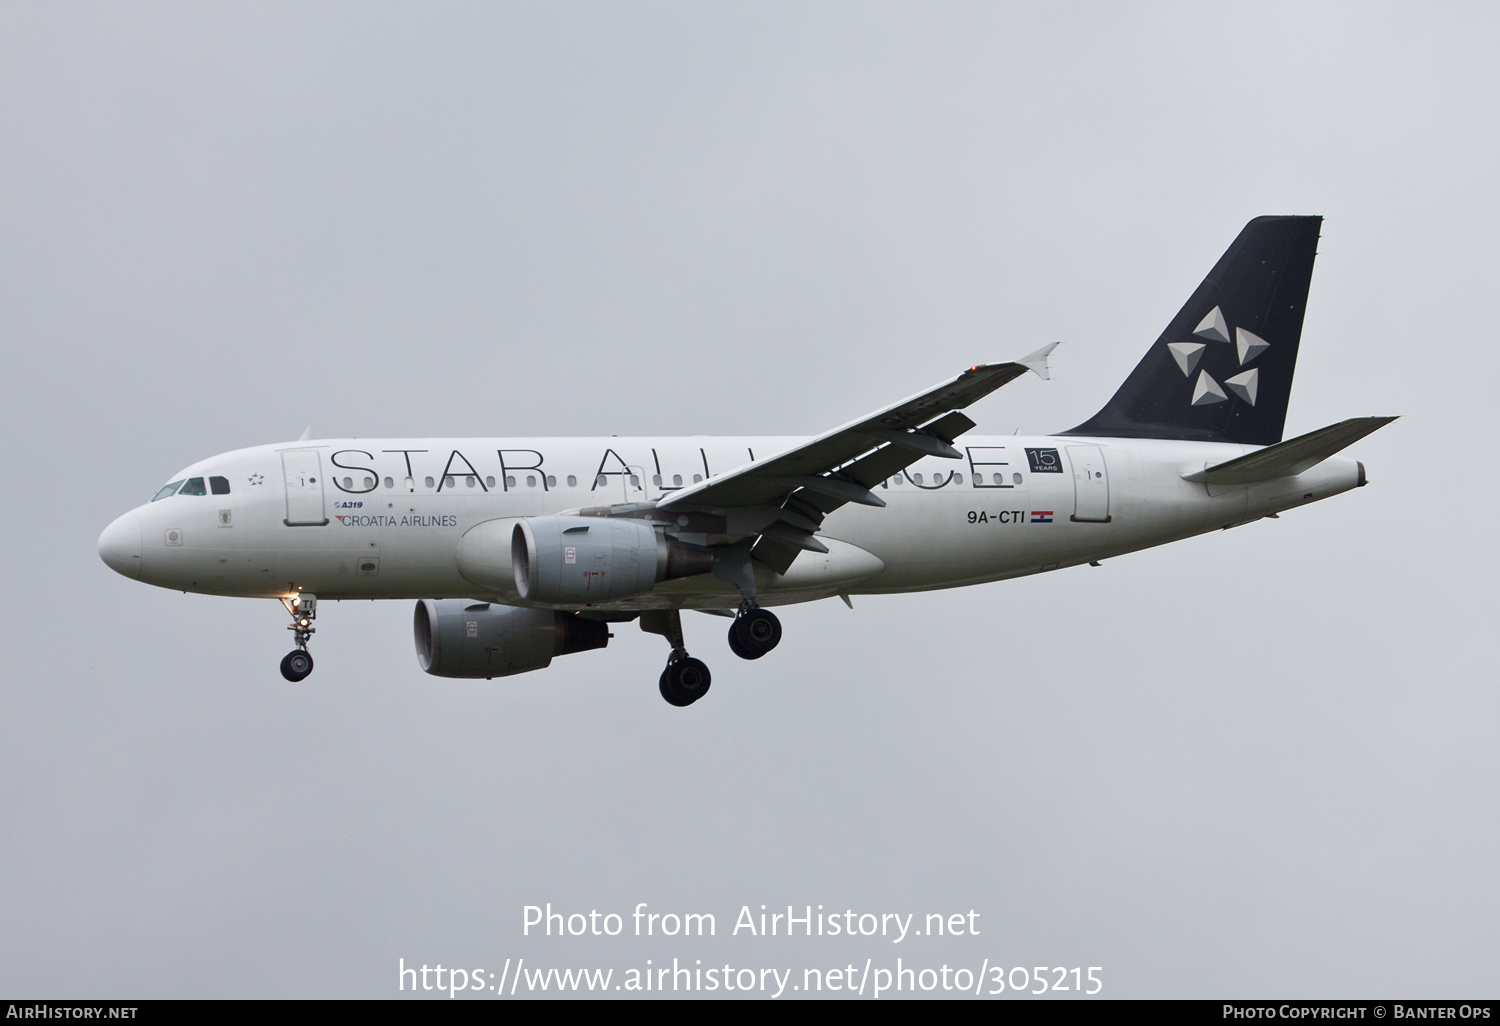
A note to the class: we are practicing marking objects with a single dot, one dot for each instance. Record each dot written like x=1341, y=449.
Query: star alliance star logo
x=1207, y=391
x=256, y=479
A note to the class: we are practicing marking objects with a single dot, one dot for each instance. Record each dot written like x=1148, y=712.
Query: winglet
x=1037, y=362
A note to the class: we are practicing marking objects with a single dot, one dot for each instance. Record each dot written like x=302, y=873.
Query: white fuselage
x=385, y=518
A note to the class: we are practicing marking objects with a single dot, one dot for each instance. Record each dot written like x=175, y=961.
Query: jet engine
x=567, y=560
x=460, y=638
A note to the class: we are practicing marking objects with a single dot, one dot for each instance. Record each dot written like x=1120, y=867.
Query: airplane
x=520, y=550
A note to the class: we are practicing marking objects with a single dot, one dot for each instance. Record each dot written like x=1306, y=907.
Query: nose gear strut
x=298, y=663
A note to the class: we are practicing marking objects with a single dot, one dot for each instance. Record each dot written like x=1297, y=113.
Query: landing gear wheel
x=297, y=664
x=684, y=681
x=670, y=694
x=755, y=633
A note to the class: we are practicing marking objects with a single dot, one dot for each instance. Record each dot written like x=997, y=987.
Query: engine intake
x=460, y=638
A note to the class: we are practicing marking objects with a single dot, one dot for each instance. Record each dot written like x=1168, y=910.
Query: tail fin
x=1222, y=371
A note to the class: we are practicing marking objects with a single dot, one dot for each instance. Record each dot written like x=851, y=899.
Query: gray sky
x=1257, y=763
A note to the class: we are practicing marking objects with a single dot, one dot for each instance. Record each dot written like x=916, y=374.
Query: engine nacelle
x=580, y=560
x=460, y=638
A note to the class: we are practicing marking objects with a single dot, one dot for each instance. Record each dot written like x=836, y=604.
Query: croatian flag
x=1041, y=516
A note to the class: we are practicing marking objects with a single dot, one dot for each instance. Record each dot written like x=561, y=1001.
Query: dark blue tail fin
x=1222, y=371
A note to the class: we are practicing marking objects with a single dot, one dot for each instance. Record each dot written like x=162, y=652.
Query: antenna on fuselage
x=306, y=434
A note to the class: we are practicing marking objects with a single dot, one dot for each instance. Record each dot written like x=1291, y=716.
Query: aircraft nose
x=120, y=546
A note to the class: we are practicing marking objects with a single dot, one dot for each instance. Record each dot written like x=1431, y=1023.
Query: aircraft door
x=304, y=488
x=1090, y=484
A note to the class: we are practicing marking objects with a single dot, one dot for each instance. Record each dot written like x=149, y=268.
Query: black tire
x=735, y=645
x=755, y=634
x=296, y=665
x=685, y=680
x=672, y=697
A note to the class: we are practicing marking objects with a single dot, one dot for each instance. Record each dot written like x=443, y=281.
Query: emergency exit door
x=1090, y=484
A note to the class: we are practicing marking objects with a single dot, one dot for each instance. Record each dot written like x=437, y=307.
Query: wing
x=784, y=499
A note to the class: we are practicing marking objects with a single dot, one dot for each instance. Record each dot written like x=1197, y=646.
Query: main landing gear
x=685, y=680
x=298, y=663
x=755, y=632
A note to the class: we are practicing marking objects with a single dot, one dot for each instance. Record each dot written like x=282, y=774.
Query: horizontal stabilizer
x=1292, y=457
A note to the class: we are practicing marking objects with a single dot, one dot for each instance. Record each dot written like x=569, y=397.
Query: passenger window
x=551, y=481
x=676, y=480
x=572, y=481
x=389, y=483
x=958, y=478
x=369, y=483
x=510, y=480
x=656, y=480
x=489, y=482
x=917, y=478
x=220, y=485
x=429, y=482
x=697, y=478
x=193, y=486
x=167, y=489
x=1016, y=478
x=469, y=480
x=530, y=480
x=448, y=481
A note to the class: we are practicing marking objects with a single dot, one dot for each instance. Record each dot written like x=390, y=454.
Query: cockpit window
x=193, y=486
x=220, y=485
x=167, y=489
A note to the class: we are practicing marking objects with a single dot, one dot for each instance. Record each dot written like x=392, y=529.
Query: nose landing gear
x=298, y=663
x=755, y=632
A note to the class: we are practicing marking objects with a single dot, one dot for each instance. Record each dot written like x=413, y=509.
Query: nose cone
x=120, y=546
